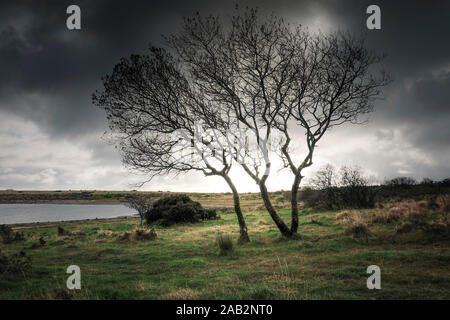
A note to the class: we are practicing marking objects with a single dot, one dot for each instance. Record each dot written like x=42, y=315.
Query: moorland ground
x=328, y=261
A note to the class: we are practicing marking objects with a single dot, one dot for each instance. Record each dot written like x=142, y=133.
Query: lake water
x=26, y=213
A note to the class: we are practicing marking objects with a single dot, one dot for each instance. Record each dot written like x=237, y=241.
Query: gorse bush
x=7, y=235
x=62, y=231
x=174, y=209
x=14, y=265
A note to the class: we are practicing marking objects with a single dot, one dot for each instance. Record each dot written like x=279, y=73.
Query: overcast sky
x=51, y=134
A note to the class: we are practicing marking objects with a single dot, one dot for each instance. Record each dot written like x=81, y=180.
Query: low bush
x=225, y=244
x=405, y=228
x=358, y=229
x=142, y=204
x=443, y=201
x=62, y=231
x=437, y=230
x=14, y=265
x=348, y=188
x=413, y=211
x=7, y=235
x=174, y=209
x=311, y=198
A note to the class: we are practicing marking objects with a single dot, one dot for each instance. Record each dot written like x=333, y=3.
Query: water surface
x=27, y=213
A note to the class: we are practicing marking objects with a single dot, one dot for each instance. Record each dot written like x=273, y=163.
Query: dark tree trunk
x=294, y=203
x=243, y=237
x=275, y=217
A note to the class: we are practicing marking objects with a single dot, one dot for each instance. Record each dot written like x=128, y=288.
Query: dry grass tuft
x=346, y=216
x=412, y=210
x=444, y=203
x=261, y=222
x=139, y=234
x=358, y=228
x=105, y=232
x=225, y=243
x=77, y=233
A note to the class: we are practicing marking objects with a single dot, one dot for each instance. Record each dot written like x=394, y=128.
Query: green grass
x=184, y=262
x=249, y=201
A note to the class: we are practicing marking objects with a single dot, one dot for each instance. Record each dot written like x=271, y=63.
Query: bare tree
x=265, y=76
x=242, y=69
x=325, y=177
x=279, y=78
x=153, y=111
x=142, y=204
x=335, y=84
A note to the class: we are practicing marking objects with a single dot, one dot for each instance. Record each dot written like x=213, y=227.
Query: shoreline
x=28, y=225
x=93, y=202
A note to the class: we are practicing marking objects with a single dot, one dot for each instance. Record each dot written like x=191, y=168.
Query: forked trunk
x=243, y=237
x=275, y=217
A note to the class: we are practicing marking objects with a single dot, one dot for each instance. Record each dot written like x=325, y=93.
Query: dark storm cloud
x=48, y=73
x=39, y=56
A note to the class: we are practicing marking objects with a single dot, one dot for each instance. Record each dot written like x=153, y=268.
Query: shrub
x=437, y=230
x=174, y=209
x=311, y=198
x=414, y=211
x=14, y=265
x=358, y=229
x=7, y=235
x=225, y=244
x=405, y=228
x=142, y=204
x=443, y=202
x=348, y=188
x=401, y=181
x=62, y=231
x=325, y=181
x=354, y=191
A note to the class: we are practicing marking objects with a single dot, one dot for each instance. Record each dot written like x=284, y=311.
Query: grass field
x=184, y=261
x=249, y=201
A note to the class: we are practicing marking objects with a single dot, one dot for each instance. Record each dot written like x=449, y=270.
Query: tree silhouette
x=265, y=75
x=150, y=107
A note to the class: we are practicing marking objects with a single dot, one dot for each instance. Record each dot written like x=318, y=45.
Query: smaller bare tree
x=142, y=204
